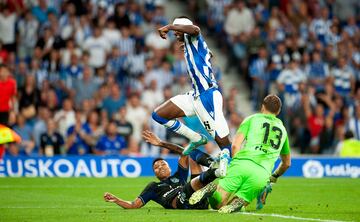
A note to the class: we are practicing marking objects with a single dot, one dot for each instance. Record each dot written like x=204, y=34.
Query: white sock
x=182, y=129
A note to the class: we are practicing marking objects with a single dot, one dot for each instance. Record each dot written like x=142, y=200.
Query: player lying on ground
x=265, y=139
x=205, y=100
x=173, y=192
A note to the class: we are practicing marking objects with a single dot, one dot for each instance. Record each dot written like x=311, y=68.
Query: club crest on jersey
x=211, y=114
x=174, y=180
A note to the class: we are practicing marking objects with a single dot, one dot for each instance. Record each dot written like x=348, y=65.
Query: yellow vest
x=350, y=148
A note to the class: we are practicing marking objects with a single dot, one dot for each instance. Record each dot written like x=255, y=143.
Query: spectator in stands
x=120, y=16
x=68, y=52
x=41, y=11
x=354, y=123
x=288, y=82
x=27, y=32
x=181, y=87
x=93, y=127
x=24, y=130
x=8, y=93
x=152, y=96
x=124, y=127
x=318, y=72
x=137, y=115
x=126, y=44
x=349, y=147
x=65, y=117
x=51, y=141
x=114, y=101
x=85, y=87
x=320, y=25
x=78, y=137
x=216, y=14
x=72, y=72
x=40, y=124
x=98, y=47
x=111, y=143
x=279, y=60
x=7, y=28
x=51, y=36
x=260, y=78
x=344, y=79
x=115, y=65
x=239, y=20
x=29, y=97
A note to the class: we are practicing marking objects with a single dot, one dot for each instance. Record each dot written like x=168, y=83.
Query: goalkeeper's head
x=271, y=104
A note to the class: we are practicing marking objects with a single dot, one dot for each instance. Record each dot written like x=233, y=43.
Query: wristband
x=275, y=175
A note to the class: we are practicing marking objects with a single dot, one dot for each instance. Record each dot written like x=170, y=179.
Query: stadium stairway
x=231, y=78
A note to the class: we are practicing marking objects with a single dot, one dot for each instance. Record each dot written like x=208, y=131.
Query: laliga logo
x=313, y=169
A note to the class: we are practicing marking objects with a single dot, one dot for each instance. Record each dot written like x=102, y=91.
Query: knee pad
x=158, y=118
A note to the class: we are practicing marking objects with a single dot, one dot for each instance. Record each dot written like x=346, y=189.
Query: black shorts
x=4, y=118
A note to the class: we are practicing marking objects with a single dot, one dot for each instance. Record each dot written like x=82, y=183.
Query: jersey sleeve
x=182, y=174
x=245, y=125
x=286, y=147
x=148, y=193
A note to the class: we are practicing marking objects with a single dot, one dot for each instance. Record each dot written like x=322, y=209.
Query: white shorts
x=208, y=107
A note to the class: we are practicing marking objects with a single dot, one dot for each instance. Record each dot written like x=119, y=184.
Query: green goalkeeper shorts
x=245, y=179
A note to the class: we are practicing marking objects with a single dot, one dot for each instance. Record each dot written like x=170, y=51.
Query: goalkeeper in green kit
x=260, y=140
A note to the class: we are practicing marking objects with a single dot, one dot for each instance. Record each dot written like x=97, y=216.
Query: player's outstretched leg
x=204, y=192
x=261, y=198
x=236, y=205
x=166, y=115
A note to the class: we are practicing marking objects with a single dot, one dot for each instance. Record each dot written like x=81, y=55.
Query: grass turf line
x=80, y=199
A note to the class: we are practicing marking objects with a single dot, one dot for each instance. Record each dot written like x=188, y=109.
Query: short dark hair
x=272, y=103
x=349, y=134
x=155, y=160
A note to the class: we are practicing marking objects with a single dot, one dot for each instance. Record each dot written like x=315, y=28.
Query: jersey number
x=278, y=133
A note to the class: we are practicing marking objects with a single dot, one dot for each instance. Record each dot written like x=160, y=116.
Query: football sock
x=208, y=176
x=201, y=158
x=177, y=126
x=188, y=190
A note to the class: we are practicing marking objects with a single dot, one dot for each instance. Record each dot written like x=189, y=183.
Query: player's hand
x=163, y=31
x=151, y=138
x=108, y=197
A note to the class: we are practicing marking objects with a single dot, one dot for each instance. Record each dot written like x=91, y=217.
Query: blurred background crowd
x=307, y=52
x=80, y=77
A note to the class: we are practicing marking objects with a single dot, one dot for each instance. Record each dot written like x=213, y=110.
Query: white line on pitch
x=292, y=217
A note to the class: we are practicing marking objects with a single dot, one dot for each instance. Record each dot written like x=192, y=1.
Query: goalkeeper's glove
x=274, y=177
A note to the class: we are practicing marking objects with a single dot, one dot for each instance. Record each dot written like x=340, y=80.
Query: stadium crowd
x=307, y=52
x=84, y=76
x=80, y=77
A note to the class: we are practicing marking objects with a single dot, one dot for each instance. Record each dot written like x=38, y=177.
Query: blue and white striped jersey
x=197, y=57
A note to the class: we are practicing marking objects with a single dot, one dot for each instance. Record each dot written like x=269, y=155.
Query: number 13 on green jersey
x=265, y=139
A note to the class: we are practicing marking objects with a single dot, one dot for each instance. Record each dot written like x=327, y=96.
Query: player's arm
x=236, y=143
x=285, y=162
x=192, y=30
x=240, y=135
x=137, y=203
x=151, y=138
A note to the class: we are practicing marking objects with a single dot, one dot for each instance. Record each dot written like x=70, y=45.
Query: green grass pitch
x=80, y=199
